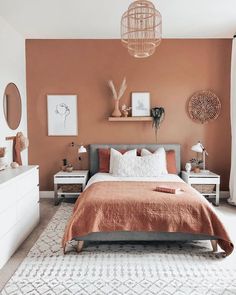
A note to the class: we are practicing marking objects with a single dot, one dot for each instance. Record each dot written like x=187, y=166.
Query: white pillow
x=162, y=158
x=147, y=166
x=114, y=153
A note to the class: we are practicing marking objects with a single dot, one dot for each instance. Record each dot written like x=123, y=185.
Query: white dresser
x=19, y=207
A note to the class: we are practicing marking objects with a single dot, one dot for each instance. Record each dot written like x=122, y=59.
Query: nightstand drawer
x=74, y=179
x=202, y=180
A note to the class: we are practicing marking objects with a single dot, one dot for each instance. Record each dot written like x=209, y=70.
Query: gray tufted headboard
x=93, y=150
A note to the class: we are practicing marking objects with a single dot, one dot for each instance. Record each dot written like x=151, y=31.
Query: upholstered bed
x=129, y=235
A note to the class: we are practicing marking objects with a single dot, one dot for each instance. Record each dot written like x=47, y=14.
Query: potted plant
x=157, y=114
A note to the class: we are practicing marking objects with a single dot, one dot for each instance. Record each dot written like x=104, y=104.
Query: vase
x=188, y=167
x=116, y=112
x=196, y=169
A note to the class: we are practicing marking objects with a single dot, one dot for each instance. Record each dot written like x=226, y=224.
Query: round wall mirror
x=12, y=106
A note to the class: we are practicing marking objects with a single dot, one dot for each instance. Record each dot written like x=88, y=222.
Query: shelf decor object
x=117, y=96
x=158, y=115
x=140, y=104
x=204, y=106
x=141, y=28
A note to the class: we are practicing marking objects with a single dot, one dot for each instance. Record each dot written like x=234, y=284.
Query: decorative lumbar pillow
x=162, y=158
x=114, y=154
x=148, y=166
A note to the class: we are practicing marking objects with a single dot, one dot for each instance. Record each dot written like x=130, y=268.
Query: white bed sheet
x=98, y=177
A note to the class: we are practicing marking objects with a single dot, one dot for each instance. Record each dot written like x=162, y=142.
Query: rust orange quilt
x=136, y=206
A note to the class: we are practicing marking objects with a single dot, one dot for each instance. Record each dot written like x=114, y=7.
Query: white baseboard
x=50, y=194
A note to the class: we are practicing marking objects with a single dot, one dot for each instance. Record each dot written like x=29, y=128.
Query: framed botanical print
x=62, y=115
x=140, y=104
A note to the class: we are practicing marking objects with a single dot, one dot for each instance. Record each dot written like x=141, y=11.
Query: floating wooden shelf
x=130, y=119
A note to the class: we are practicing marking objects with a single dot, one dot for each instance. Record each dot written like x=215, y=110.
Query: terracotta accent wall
x=172, y=75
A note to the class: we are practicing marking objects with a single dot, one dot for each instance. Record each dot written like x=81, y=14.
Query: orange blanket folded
x=135, y=206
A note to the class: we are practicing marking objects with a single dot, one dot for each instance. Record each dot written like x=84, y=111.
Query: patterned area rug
x=162, y=268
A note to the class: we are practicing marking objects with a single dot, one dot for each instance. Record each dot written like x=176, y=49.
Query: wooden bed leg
x=214, y=245
x=79, y=247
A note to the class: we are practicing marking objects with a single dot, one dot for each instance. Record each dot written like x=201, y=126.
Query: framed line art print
x=62, y=115
x=140, y=104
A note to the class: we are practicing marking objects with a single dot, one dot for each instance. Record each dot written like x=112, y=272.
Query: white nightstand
x=201, y=181
x=62, y=178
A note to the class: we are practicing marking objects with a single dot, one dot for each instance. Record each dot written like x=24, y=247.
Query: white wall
x=12, y=69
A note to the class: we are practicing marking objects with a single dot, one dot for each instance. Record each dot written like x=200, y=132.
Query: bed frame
x=138, y=236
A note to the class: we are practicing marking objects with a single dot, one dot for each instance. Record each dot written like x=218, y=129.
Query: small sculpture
x=188, y=167
x=125, y=110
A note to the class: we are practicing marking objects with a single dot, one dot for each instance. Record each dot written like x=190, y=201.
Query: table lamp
x=199, y=148
x=82, y=150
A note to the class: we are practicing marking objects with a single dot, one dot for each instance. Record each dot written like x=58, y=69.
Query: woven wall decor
x=204, y=106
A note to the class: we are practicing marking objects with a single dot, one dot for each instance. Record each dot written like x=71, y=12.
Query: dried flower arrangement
x=125, y=110
x=117, y=95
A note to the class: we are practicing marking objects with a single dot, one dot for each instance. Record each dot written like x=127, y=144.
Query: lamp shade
x=82, y=150
x=198, y=148
x=141, y=28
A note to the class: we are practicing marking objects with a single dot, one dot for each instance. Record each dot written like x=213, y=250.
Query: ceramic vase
x=197, y=169
x=188, y=167
x=116, y=112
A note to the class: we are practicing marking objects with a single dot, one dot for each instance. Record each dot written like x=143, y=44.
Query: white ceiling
x=100, y=19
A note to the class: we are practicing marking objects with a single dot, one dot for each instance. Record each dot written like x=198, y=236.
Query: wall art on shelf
x=140, y=104
x=62, y=115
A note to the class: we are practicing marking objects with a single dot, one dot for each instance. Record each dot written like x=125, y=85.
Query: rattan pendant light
x=141, y=28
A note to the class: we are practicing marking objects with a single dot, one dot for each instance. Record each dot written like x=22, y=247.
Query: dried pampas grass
x=120, y=93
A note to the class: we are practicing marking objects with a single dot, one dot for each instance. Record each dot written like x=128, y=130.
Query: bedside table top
x=200, y=174
x=83, y=173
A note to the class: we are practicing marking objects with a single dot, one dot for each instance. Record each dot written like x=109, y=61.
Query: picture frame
x=140, y=104
x=62, y=114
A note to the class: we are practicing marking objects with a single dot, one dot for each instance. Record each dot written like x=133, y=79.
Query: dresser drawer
x=27, y=182
x=27, y=203
x=7, y=196
x=7, y=220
